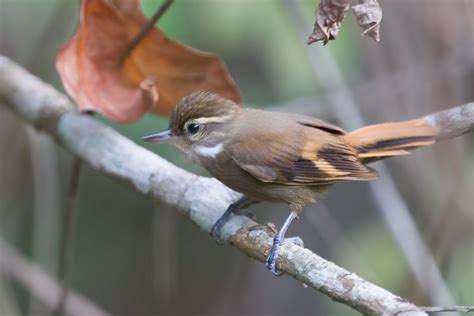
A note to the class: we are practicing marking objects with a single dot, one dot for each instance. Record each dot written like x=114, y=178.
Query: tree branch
x=40, y=285
x=453, y=122
x=200, y=199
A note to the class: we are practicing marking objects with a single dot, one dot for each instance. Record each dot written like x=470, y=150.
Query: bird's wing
x=313, y=122
x=312, y=156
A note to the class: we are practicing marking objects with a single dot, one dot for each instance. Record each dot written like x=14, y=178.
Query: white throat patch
x=211, y=152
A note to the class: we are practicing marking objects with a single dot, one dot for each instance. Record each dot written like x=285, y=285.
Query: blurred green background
x=133, y=257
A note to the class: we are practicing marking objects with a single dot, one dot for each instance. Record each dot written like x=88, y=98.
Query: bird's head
x=199, y=124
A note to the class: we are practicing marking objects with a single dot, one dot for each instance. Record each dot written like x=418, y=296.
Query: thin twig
x=67, y=247
x=444, y=121
x=441, y=309
x=460, y=309
x=147, y=27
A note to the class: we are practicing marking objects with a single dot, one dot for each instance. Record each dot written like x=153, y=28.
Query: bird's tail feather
x=380, y=141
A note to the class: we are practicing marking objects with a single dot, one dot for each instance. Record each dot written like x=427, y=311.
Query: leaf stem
x=147, y=27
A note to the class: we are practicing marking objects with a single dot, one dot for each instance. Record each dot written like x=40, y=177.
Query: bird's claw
x=271, y=263
x=273, y=255
x=233, y=209
x=216, y=233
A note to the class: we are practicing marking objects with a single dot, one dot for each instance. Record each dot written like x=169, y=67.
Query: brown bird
x=281, y=157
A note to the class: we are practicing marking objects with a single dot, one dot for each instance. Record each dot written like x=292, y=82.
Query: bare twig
x=147, y=27
x=460, y=309
x=69, y=229
x=165, y=267
x=42, y=286
x=453, y=122
x=200, y=199
x=443, y=309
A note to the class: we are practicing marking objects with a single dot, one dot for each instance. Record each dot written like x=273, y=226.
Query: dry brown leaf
x=94, y=73
x=331, y=13
x=369, y=15
x=329, y=16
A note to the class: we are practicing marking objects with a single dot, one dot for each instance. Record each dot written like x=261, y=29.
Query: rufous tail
x=380, y=141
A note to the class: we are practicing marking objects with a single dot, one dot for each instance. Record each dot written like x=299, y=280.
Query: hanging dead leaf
x=329, y=16
x=369, y=15
x=95, y=73
x=331, y=13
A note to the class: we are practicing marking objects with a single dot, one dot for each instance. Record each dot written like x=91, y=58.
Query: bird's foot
x=273, y=256
x=216, y=231
x=217, y=227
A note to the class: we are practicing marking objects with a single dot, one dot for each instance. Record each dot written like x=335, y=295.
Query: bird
x=281, y=157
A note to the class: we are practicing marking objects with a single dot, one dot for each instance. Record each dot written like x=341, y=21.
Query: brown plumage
x=282, y=157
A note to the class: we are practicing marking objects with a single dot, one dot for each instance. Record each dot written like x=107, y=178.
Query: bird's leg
x=233, y=209
x=277, y=240
x=242, y=209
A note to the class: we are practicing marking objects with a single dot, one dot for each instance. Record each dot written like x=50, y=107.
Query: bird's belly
x=271, y=192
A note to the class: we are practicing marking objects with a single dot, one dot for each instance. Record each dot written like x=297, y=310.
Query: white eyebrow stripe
x=211, y=152
x=213, y=119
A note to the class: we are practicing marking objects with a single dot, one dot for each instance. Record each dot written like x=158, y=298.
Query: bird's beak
x=164, y=137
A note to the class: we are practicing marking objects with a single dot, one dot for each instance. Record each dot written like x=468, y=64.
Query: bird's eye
x=193, y=128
